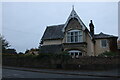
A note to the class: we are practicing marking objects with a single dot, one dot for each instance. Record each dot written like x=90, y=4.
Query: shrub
x=106, y=54
x=44, y=55
x=61, y=56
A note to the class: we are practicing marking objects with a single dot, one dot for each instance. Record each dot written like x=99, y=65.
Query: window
x=104, y=43
x=74, y=36
x=80, y=54
x=75, y=53
x=72, y=54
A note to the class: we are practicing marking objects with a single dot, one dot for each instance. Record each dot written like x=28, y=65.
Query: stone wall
x=90, y=63
x=99, y=49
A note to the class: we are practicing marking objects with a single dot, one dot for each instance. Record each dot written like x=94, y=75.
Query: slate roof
x=103, y=36
x=51, y=49
x=53, y=32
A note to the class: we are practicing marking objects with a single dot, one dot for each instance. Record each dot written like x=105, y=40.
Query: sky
x=23, y=23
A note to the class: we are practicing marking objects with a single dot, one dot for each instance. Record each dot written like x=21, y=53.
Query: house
x=33, y=51
x=76, y=39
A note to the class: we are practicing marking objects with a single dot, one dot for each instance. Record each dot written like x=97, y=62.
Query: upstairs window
x=103, y=43
x=74, y=36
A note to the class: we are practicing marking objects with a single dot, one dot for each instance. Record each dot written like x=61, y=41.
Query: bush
x=61, y=56
x=44, y=55
x=106, y=54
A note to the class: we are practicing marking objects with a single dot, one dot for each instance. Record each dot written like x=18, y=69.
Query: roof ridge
x=103, y=35
x=55, y=25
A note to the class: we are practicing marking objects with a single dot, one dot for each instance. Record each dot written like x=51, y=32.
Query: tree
x=26, y=51
x=4, y=43
x=20, y=53
x=10, y=51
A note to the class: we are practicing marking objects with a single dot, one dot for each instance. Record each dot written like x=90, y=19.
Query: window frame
x=74, y=53
x=102, y=43
x=71, y=36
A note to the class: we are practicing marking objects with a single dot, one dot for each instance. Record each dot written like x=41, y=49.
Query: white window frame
x=79, y=35
x=75, y=51
x=102, y=45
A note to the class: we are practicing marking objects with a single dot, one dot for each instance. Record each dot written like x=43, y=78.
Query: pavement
x=108, y=73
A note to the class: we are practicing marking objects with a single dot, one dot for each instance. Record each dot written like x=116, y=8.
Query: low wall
x=90, y=63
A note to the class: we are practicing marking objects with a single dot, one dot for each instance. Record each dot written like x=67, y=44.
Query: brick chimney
x=91, y=28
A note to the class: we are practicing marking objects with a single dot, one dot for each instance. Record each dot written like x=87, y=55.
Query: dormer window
x=74, y=36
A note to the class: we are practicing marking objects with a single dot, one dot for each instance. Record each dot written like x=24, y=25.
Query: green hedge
x=106, y=54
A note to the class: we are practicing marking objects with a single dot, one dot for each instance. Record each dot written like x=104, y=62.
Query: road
x=9, y=73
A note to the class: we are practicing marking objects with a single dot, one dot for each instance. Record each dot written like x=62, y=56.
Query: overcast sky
x=24, y=23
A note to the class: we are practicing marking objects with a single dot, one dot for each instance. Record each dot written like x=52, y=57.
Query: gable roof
x=103, y=36
x=53, y=32
x=73, y=14
x=57, y=31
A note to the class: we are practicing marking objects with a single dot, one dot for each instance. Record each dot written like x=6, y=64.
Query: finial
x=72, y=7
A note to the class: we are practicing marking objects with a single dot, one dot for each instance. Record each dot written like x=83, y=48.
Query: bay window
x=74, y=36
x=75, y=53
